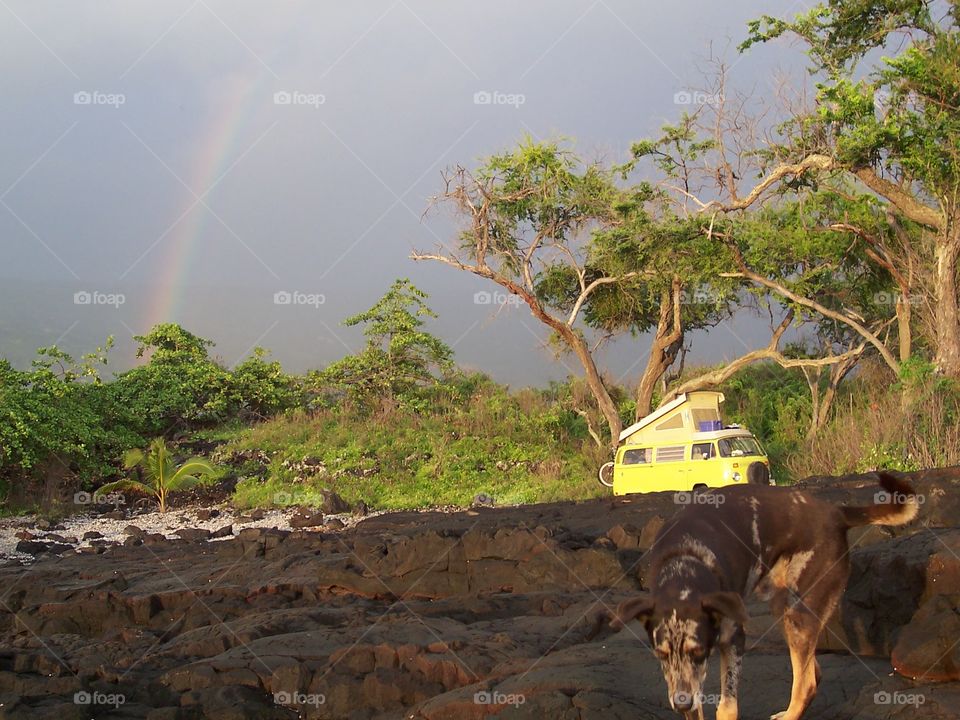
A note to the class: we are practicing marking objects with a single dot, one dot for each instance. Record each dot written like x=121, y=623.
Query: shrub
x=59, y=410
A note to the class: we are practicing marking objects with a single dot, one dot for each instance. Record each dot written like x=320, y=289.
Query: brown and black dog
x=785, y=544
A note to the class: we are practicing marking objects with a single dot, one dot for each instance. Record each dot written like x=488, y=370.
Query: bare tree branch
x=748, y=274
x=771, y=352
x=811, y=162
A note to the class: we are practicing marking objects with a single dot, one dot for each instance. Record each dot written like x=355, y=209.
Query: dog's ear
x=639, y=607
x=726, y=604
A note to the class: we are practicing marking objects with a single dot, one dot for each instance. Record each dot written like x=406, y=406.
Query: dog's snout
x=682, y=701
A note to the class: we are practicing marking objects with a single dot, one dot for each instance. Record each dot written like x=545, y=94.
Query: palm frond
x=126, y=485
x=193, y=466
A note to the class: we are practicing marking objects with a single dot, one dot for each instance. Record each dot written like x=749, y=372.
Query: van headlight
x=736, y=477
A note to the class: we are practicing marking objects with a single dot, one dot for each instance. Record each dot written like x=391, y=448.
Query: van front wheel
x=605, y=476
x=699, y=487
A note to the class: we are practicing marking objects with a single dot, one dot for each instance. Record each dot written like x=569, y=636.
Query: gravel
x=166, y=524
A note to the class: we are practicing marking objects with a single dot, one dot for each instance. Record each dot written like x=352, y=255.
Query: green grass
x=505, y=446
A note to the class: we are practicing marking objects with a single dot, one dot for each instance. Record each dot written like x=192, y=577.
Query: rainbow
x=231, y=112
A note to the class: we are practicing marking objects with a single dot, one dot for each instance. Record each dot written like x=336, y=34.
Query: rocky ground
x=26, y=539
x=444, y=615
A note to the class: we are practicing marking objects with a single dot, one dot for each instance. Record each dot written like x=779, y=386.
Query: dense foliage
x=62, y=414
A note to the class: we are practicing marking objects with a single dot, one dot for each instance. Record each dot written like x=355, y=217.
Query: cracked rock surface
x=437, y=615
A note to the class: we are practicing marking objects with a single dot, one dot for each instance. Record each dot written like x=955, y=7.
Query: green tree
x=399, y=359
x=178, y=388
x=529, y=214
x=895, y=129
x=260, y=387
x=159, y=474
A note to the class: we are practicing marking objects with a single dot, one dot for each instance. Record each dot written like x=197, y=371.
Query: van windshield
x=738, y=447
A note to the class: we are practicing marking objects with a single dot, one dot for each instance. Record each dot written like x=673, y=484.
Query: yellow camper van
x=684, y=446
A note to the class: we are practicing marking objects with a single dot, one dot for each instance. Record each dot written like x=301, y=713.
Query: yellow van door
x=633, y=471
x=705, y=467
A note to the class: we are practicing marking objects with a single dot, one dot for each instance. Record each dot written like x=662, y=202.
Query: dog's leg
x=801, y=629
x=731, y=661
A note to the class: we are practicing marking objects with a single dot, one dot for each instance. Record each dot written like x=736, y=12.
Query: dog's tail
x=895, y=504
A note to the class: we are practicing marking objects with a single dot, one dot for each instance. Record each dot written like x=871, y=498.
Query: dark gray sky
x=196, y=157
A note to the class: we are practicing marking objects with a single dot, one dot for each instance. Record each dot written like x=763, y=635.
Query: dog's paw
x=779, y=715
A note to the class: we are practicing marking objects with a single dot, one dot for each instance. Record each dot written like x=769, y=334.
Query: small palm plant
x=159, y=475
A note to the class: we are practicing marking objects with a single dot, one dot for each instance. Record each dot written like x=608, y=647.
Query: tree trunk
x=662, y=356
x=822, y=403
x=812, y=376
x=904, y=313
x=947, y=312
x=663, y=352
x=595, y=382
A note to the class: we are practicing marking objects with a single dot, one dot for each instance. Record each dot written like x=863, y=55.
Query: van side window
x=636, y=456
x=703, y=451
x=673, y=453
x=674, y=423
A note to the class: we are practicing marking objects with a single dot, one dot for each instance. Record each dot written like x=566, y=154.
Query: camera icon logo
x=282, y=298
x=282, y=98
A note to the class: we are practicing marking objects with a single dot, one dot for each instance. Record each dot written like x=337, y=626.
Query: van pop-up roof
x=678, y=420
